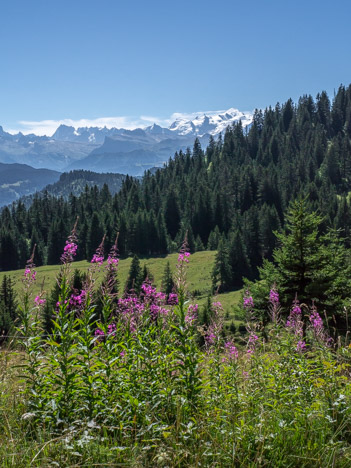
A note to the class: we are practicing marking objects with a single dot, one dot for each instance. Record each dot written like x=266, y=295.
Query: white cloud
x=48, y=127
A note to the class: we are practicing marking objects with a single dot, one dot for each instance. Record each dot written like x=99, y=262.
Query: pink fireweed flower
x=99, y=334
x=295, y=322
x=316, y=324
x=301, y=346
x=210, y=337
x=231, y=352
x=111, y=272
x=39, y=301
x=183, y=259
x=172, y=299
x=252, y=343
x=248, y=302
x=192, y=314
x=273, y=296
x=70, y=249
x=77, y=300
x=274, y=306
x=130, y=310
x=217, y=308
x=30, y=274
x=112, y=261
x=111, y=329
x=97, y=259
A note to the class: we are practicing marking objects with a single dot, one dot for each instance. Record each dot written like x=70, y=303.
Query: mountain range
x=115, y=150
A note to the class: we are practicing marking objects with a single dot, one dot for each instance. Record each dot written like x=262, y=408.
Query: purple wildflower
x=76, y=301
x=30, y=274
x=172, y=299
x=273, y=296
x=248, y=302
x=183, y=259
x=192, y=313
x=231, y=352
x=294, y=322
x=301, y=346
x=39, y=301
x=70, y=249
x=251, y=343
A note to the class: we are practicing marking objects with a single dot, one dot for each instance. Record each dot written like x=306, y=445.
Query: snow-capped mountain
x=194, y=125
x=211, y=123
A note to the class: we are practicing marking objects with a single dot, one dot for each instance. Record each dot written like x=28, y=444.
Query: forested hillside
x=234, y=193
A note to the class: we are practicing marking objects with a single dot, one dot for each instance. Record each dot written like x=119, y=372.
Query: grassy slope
x=199, y=276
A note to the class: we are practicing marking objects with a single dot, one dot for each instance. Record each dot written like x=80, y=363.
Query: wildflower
x=183, y=259
x=294, y=322
x=112, y=261
x=301, y=346
x=99, y=334
x=30, y=274
x=172, y=299
x=111, y=329
x=70, y=249
x=274, y=307
x=251, y=343
x=39, y=301
x=192, y=314
x=273, y=296
x=77, y=300
x=248, y=301
x=231, y=352
x=99, y=259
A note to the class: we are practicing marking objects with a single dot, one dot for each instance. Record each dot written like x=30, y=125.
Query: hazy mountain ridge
x=112, y=149
x=18, y=180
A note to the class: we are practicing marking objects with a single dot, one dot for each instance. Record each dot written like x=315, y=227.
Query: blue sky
x=140, y=61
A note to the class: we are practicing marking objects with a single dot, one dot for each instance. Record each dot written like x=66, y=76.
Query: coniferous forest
x=231, y=195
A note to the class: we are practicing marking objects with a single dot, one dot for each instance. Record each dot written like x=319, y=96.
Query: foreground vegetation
x=139, y=383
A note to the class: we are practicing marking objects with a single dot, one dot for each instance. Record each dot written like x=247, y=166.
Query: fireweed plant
x=141, y=383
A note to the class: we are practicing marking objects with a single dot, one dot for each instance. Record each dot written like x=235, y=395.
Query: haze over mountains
x=112, y=149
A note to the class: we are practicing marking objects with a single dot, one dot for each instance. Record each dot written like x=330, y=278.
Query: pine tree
x=135, y=276
x=309, y=264
x=167, y=280
x=239, y=262
x=8, y=308
x=222, y=271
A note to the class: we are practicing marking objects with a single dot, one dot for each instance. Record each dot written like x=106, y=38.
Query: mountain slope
x=17, y=180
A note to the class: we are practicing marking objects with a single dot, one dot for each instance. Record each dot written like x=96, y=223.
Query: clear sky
x=145, y=60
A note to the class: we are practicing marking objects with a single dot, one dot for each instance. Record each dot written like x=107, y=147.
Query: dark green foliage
x=8, y=308
x=167, y=280
x=308, y=264
x=222, y=271
x=135, y=276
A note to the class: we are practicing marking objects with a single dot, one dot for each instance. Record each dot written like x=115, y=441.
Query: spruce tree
x=167, y=280
x=309, y=264
x=8, y=308
x=135, y=276
x=222, y=271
